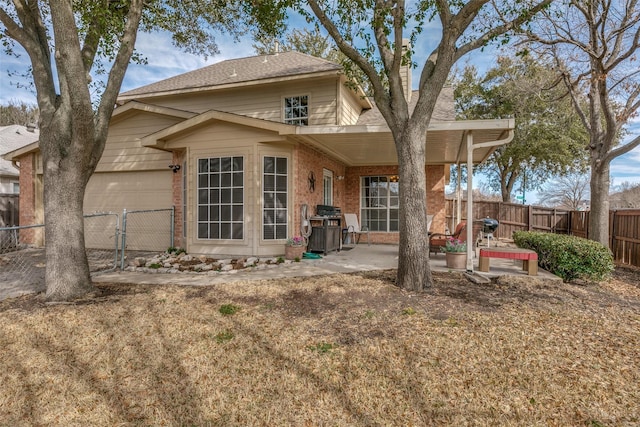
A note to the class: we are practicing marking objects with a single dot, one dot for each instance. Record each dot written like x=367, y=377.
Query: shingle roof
x=240, y=70
x=11, y=138
x=444, y=109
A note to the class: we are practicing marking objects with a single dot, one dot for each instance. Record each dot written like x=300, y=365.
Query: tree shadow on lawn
x=72, y=382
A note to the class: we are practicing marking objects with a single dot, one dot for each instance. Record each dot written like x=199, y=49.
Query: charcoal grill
x=488, y=226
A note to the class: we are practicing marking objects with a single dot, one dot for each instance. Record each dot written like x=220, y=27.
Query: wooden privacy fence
x=624, y=224
x=9, y=212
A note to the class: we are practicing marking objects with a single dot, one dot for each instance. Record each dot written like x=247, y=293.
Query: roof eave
x=123, y=98
x=16, y=154
x=159, y=139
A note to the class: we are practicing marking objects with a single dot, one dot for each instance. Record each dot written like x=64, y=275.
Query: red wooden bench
x=529, y=258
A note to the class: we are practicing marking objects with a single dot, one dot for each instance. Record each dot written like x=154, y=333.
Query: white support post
x=470, y=246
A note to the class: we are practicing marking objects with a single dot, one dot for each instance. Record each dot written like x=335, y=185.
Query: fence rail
x=624, y=224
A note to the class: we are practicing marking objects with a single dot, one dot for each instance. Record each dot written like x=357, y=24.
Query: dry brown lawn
x=328, y=351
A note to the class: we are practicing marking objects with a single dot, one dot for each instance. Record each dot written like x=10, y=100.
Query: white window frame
x=327, y=187
x=220, y=186
x=372, y=204
x=300, y=120
x=279, y=221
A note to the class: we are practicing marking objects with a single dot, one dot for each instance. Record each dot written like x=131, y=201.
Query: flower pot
x=293, y=252
x=456, y=260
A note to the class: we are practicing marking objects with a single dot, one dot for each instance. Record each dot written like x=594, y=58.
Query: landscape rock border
x=166, y=263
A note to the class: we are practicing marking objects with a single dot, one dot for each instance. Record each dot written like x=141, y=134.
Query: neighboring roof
x=12, y=138
x=234, y=71
x=444, y=109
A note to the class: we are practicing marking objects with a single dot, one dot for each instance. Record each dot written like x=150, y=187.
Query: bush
x=568, y=257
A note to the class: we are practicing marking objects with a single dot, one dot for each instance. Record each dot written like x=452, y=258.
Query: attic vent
x=234, y=74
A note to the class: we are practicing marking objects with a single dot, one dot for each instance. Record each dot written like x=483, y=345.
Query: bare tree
x=18, y=113
x=568, y=192
x=595, y=46
x=370, y=33
x=626, y=195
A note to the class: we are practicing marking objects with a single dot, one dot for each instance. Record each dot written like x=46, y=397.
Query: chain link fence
x=107, y=239
x=146, y=230
x=22, y=265
x=101, y=234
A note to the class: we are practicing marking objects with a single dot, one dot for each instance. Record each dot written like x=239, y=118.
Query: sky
x=165, y=60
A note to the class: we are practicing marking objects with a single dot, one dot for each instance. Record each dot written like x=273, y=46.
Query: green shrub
x=568, y=257
x=176, y=251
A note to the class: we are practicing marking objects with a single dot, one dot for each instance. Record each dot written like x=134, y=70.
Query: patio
x=351, y=259
x=386, y=256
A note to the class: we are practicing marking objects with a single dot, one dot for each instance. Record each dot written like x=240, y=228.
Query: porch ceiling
x=373, y=145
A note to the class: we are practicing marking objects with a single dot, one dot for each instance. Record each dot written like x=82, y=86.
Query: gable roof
x=253, y=69
x=12, y=138
x=159, y=139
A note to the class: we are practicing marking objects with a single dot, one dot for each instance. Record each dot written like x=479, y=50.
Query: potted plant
x=294, y=248
x=455, y=253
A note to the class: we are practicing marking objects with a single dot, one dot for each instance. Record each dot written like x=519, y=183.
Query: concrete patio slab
x=350, y=259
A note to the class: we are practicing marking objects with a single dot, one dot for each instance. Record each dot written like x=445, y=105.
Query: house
x=12, y=138
x=238, y=147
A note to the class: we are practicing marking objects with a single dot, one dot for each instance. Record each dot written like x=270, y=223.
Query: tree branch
x=32, y=36
x=116, y=76
x=624, y=149
x=381, y=97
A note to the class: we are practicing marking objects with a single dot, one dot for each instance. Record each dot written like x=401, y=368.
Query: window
x=16, y=187
x=327, y=187
x=221, y=198
x=379, y=203
x=296, y=110
x=274, y=195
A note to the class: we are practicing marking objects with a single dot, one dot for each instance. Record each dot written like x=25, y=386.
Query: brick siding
x=305, y=160
x=27, y=197
x=176, y=185
x=435, y=196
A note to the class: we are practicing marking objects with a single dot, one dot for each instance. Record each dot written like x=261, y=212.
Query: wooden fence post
x=612, y=232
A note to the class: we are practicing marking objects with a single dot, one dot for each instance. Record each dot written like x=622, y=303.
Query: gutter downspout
x=470, y=148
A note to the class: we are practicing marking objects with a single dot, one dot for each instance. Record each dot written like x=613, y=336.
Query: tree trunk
x=599, y=215
x=414, y=271
x=65, y=181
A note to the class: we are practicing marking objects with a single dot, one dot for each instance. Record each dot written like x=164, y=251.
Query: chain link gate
x=146, y=230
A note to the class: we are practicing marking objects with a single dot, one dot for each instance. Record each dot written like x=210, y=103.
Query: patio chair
x=439, y=240
x=353, y=226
